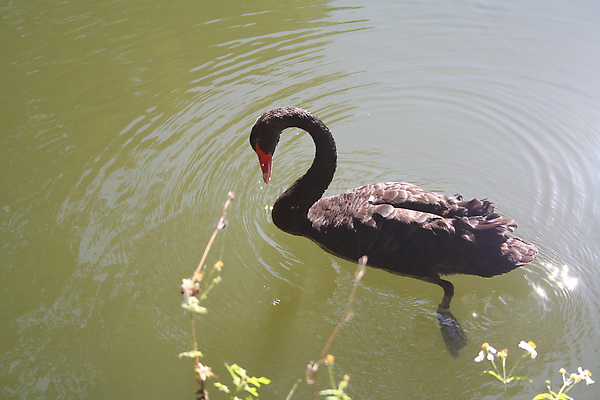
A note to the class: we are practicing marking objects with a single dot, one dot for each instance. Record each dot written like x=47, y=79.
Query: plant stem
x=517, y=363
x=331, y=378
x=203, y=393
x=220, y=225
x=311, y=370
x=504, y=379
x=347, y=312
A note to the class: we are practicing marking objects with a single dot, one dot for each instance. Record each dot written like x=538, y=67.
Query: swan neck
x=291, y=209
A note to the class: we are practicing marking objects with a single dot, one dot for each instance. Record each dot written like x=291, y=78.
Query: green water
x=123, y=125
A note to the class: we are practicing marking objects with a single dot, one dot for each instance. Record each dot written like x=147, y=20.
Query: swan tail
x=485, y=247
x=518, y=252
x=511, y=254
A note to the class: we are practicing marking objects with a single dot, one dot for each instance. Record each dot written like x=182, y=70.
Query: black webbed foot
x=452, y=333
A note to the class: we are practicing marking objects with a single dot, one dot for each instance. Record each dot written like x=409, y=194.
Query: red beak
x=266, y=163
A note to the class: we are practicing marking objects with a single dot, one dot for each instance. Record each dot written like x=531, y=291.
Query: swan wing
x=412, y=242
x=407, y=196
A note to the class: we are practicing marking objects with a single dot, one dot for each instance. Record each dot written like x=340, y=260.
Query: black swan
x=400, y=227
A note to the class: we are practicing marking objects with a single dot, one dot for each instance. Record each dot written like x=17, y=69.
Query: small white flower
x=487, y=352
x=480, y=357
x=584, y=374
x=529, y=347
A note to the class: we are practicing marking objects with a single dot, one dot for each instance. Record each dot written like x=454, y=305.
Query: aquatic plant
x=243, y=386
x=569, y=380
x=195, y=291
x=500, y=372
x=335, y=392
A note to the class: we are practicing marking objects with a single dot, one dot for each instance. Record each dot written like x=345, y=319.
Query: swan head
x=268, y=127
x=265, y=159
x=264, y=142
x=265, y=137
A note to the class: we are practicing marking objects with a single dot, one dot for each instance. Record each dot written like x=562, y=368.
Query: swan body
x=400, y=227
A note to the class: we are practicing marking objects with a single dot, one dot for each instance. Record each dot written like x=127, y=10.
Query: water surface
x=124, y=126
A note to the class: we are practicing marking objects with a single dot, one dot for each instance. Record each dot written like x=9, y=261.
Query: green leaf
x=194, y=306
x=552, y=396
x=222, y=387
x=543, y=396
x=253, y=381
x=230, y=370
x=519, y=378
x=328, y=392
x=190, y=354
x=264, y=381
x=239, y=370
x=494, y=374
